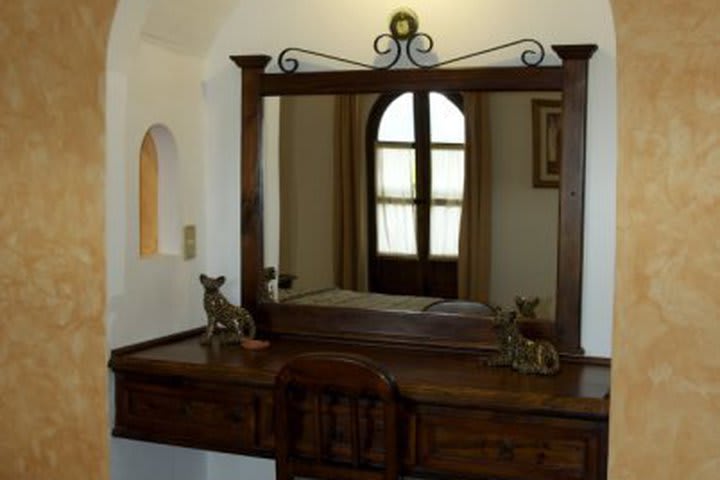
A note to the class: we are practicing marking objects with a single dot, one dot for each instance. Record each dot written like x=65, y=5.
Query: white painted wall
x=148, y=84
x=222, y=466
x=160, y=294
x=131, y=460
x=222, y=181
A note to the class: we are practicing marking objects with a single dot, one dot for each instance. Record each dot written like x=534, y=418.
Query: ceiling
x=187, y=26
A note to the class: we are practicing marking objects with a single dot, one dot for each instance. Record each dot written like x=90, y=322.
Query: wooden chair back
x=316, y=378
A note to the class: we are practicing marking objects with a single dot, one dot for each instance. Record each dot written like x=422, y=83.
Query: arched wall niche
x=159, y=193
x=148, y=198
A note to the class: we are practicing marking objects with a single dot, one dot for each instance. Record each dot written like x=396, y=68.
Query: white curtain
x=448, y=178
x=395, y=190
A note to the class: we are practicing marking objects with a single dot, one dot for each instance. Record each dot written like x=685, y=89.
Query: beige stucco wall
x=666, y=350
x=53, y=415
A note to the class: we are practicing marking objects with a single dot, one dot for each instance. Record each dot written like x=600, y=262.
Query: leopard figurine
x=231, y=323
x=526, y=356
x=267, y=292
x=527, y=305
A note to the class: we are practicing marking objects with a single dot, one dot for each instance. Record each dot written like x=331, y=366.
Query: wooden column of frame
x=572, y=194
x=251, y=177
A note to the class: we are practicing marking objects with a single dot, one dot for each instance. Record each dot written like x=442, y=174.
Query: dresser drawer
x=186, y=413
x=474, y=442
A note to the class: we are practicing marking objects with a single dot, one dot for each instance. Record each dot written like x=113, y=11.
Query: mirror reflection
x=420, y=201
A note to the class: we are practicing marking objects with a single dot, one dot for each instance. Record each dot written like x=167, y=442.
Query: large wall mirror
x=411, y=200
x=370, y=204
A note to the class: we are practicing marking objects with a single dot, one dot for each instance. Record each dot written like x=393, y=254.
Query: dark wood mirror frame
x=418, y=328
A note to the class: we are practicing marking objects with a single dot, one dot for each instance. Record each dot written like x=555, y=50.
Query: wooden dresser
x=460, y=419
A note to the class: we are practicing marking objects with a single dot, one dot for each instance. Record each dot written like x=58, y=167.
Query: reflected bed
x=337, y=297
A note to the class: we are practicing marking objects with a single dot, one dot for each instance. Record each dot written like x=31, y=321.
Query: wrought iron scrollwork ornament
x=404, y=38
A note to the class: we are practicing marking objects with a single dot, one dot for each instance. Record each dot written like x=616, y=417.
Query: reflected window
x=395, y=201
x=413, y=172
x=416, y=146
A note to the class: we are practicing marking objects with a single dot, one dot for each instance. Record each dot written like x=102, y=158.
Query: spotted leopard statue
x=537, y=357
x=267, y=291
x=230, y=323
x=526, y=306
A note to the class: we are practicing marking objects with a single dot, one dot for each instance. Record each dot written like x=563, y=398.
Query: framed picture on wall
x=547, y=142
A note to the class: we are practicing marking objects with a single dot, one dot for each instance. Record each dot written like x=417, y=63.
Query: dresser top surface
x=428, y=377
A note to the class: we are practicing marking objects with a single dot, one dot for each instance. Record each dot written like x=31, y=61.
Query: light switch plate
x=189, y=243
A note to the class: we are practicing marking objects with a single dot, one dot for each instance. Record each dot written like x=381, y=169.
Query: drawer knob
x=186, y=409
x=506, y=450
x=236, y=415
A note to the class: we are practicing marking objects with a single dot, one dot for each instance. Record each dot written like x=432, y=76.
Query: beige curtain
x=350, y=249
x=475, y=222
